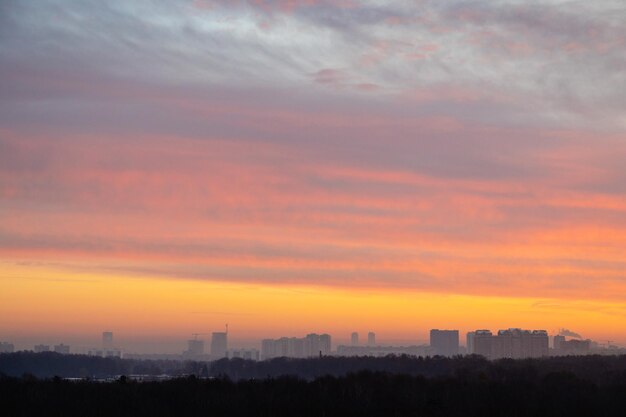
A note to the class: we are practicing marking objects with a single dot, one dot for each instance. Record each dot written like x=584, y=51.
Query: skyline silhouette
x=450, y=342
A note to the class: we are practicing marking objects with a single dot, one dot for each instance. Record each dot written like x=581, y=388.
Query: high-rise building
x=295, y=347
x=325, y=344
x=219, y=345
x=371, y=339
x=268, y=349
x=6, y=347
x=539, y=344
x=511, y=343
x=519, y=343
x=558, y=339
x=354, y=339
x=282, y=347
x=469, y=340
x=483, y=343
x=444, y=342
x=41, y=348
x=506, y=345
x=107, y=340
x=311, y=345
x=62, y=349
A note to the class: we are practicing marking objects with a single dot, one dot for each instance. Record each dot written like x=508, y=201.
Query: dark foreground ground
x=584, y=386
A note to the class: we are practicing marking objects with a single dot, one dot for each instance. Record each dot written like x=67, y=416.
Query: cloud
x=468, y=147
x=562, y=60
x=252, y=211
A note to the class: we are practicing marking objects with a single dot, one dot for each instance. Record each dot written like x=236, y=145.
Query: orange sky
x=162, y=252
x=430, y=165
x=57, y=305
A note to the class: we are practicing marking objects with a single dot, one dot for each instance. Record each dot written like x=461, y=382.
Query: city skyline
x=215, y=345
x=294, y=166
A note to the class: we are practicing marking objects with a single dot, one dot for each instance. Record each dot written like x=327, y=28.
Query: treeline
x=509, y=392
x=48, y=365
x=592, y=367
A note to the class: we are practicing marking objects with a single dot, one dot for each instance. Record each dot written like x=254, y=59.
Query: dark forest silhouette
x=390, y=386
x=50, y=364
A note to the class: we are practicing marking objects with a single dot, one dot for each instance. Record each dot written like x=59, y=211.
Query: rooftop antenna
x=226, y=328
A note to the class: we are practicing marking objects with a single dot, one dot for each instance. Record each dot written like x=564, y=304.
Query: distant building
x=483, y=343
x=41, y=348
x=444, y=342
x=107, y=340
x=573, y=347
x=311, y=345
x=290, y=347
x=507, y=344
x=518, y=344
x=371, y=339
x=219, y=345
x=62, y=349
x=325, y=344
x=354, y=339
x=539, y=344
x=268, y=349
x=469, y=342
x=112, y=353
x=249, y=354
x=295, y=347
x=556, y=342
x=6, y=347
x=511, y=343
x=381, y=351
x=282, y=347
x=105, y=353
x=195, y=348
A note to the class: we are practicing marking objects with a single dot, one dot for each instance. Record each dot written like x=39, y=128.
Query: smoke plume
x=569, y=333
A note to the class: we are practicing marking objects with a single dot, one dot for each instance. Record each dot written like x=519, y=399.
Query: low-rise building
x=62, y=349
x=249, y=354
x=6, y=347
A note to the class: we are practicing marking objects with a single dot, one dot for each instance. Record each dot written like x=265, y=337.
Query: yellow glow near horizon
x=49, y=300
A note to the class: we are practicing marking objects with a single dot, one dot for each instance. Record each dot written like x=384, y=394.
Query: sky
x=296, y=166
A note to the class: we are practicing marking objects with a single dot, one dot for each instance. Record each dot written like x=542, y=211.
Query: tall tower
x=371, y=339
x=325, y=344
x=558, y=340
x=483, y=343
x=219, y=345
x=470, y=342
x=107, y=340
x=311, y=345
x=354, y=339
